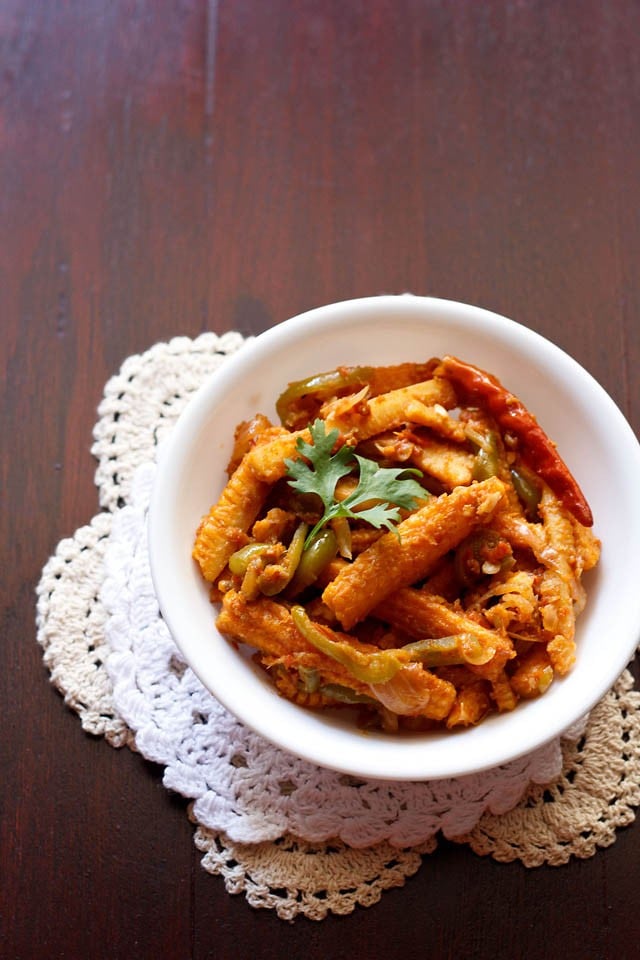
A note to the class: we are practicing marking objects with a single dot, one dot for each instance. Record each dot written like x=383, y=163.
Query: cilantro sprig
x=318, y=471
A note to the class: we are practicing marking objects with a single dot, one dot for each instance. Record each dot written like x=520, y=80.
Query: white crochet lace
x=275, y=826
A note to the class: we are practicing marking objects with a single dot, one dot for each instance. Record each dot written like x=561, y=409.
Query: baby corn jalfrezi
x=407, y=543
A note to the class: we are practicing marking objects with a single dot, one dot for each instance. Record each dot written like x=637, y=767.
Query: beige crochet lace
x=572, y=816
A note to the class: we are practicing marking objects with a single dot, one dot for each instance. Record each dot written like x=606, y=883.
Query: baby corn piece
x=502, y=693
x=471, y=706
x=392, y=409
x=268, y=626
x=534, y=675
x=396, y=561
x=556, y=606
x=447, y=463
x=558, y=526
x=416, y=692
x=221, y=531
x=422, y=614
x=263, y=623
x=383, y=412
x=267, y=461
x=562, y=654
x=587, y=547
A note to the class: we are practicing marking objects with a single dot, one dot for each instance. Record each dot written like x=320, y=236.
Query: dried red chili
x=536, y=450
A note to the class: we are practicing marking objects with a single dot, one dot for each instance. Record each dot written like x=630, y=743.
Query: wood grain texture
x=172, y=166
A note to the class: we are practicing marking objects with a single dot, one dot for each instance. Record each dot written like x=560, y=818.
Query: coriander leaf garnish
x=320, y=475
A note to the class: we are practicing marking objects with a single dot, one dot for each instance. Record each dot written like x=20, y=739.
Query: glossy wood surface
x=173, y=166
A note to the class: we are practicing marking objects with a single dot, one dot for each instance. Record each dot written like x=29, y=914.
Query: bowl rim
x=166, y=488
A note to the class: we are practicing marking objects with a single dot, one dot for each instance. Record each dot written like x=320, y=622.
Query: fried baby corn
x=399, y=559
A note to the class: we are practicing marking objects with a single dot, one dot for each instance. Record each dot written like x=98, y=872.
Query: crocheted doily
x=289, y=835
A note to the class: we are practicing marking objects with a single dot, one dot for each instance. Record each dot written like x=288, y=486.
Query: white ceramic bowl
x=592, y=435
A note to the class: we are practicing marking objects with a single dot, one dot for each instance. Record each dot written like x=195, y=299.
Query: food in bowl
x=595, y=440
x=407, y=540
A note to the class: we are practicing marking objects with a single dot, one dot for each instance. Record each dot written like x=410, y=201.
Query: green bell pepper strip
x=377, y=666
x=487, y=454
x=321, y=385
x=240, y=560
x=346, y=695
x=528, y=490
x=380, y=666
x=313, y=561
x=445, y=651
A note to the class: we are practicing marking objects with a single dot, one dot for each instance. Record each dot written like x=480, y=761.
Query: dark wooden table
x=175, y=166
